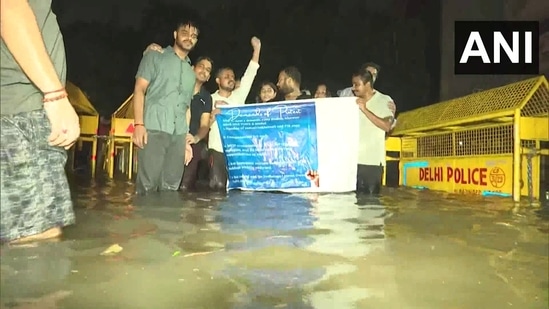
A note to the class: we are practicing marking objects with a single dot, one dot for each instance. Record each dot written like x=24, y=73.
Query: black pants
x=190, y=176
x=161, y=163
x=218, y=170
x=369, y=179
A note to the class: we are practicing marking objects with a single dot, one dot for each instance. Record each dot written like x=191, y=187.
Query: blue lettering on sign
x=269, y=146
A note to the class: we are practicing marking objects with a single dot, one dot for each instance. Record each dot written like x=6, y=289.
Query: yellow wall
x=491, y=175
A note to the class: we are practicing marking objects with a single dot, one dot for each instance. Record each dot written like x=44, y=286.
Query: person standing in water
x=38, y=124
x=374, y=69
x=374, y=122
x=164, y=87
x=227, y=94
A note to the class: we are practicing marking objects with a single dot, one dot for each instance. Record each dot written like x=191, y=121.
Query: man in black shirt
x=199, y=120
x=289, y=84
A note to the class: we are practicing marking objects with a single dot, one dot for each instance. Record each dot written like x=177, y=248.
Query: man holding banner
x=374, y=69
x=228, y=94
x=376, y=120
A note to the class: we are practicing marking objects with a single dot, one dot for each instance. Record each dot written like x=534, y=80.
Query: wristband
x=56, y=98
x=55, y=91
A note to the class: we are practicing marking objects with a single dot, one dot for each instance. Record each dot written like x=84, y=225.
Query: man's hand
x=256, y=43
x=65, y=125
x=361, y=103
x=191, y=139
x=220, y=103
x=154, y=47
x=188, y=154
x=215, y=112
x=139, y=136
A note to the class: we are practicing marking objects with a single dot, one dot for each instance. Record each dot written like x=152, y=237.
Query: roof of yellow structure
x=531, y=96
x=125, y=110
x=79, y=100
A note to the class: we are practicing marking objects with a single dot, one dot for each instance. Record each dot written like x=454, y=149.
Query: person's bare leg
x=47, y=235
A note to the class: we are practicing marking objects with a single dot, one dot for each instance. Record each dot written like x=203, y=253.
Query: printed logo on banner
x=270, y=146
x=496, y=47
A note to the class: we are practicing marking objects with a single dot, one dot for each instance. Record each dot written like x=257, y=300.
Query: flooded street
x=408, y=249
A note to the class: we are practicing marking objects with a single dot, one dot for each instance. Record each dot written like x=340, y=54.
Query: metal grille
x=538, y=105
x=475, y=107
x=435, y=146
x=528, y=143
x=484, y=141
x=474, y=142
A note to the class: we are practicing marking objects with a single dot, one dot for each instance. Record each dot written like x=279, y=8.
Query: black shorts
x=369, y=179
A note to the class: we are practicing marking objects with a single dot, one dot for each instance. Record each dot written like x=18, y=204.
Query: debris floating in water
x=201, y=253
x=113, y=249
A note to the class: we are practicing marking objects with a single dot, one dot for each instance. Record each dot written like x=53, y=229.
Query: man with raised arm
x=228, y=95
x=164, y=86
x=38, y=123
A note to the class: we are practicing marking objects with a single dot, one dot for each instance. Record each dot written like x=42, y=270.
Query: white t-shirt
x=237, y=97
x=371, y=147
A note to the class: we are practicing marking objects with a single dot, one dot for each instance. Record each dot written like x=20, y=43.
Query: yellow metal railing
x=488, y=142
x=89, y=123
x=120, y=140
x=477, y=107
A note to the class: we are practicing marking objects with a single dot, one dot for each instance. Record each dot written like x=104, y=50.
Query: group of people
x=174, y=116
x=168, y=158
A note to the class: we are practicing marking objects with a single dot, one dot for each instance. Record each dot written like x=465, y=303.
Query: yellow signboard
x=479, y=176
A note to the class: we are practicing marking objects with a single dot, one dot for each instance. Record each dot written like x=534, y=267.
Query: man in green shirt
x=37, y=124
x=164, y=86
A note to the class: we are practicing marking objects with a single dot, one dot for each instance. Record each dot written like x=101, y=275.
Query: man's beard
x=227, y=88
x=285, y=90
x=183, y=48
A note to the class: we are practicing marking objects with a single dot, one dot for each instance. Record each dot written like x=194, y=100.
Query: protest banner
x=291, y=146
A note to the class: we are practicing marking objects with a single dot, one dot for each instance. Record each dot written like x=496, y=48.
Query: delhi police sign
x=496, y=47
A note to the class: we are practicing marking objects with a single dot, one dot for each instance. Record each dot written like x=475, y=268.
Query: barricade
x=120, y=145
x=89, y=124
x=493, y=142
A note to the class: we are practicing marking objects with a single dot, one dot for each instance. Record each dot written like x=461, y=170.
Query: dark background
x=326, y=39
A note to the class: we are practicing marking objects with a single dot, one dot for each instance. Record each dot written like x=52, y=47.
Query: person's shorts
x=35, y=194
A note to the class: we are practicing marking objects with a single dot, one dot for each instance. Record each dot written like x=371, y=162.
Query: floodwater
x=407, y=249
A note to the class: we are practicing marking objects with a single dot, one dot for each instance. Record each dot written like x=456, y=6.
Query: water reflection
x=275, y=231
x=407, y=249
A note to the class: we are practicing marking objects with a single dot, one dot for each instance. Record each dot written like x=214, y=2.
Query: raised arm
x=248, y=78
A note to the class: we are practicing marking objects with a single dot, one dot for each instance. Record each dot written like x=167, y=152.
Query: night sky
x=326, y=39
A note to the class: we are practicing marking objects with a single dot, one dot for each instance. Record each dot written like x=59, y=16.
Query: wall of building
x=452, y=85
x=533, y=10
